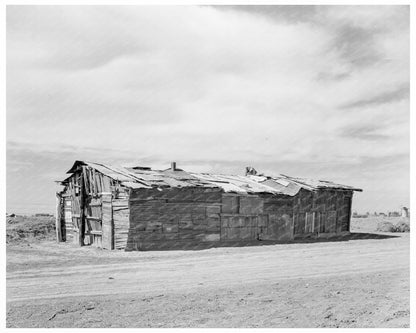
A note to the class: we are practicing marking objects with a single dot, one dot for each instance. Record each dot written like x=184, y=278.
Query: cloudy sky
x=308, y=91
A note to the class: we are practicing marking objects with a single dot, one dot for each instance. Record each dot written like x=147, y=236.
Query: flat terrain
x=352, y=283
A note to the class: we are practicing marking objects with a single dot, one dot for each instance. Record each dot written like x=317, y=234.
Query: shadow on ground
x=313, y=238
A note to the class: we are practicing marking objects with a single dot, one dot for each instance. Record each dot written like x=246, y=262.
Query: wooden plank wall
x=324, y=211
x=177, y=217
x=173, y=217
x=92, y=184
x=240, y=217
x=107, y=239
x=256, y=217
x=344, y=212
x=69, y=227
x=279, y=209
x=59, y=223
x=121, y=219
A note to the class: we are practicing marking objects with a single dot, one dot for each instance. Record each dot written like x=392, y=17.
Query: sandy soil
x=355, y=283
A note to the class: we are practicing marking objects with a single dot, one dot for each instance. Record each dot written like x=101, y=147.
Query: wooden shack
x=138, y=208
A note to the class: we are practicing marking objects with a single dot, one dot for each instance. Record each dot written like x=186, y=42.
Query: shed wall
x=175, y=217
x=256, y=217
x=183, y=218
x=324, y=211
x=82, y=199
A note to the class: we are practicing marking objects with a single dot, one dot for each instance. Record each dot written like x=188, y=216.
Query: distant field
x=29, y=228
x=372, y=223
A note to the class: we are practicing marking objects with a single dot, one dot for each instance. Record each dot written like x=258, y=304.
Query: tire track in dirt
x=184, y=271
x=312, y=251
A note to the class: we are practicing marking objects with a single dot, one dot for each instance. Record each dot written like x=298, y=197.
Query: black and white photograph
x=207, y=165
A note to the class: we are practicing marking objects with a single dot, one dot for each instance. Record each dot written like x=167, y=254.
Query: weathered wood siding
x=69, y=227
x=256, y=217
x=173, y=217
x=279, y=224
x=107, y=240
x=121, y=219
x=87, y=213
x=324, y=211
x=59, y=223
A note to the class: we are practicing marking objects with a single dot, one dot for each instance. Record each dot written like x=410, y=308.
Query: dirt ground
x=350, y=283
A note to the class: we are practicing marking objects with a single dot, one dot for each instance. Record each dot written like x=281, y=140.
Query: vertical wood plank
x=107, y=222
x=81, y=231
x=58, y=218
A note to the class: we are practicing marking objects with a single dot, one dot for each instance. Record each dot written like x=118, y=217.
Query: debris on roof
x=145, y=177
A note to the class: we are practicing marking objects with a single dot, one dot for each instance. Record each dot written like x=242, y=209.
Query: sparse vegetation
x=380, y=223
x=401, y=226
x=30, y=228
x=385, y=227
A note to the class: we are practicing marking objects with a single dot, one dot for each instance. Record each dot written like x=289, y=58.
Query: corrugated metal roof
x=147, y=178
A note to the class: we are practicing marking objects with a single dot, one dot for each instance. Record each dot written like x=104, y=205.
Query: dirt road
x=315, y=284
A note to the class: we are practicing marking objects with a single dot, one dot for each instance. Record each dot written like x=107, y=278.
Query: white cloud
x=203, y=84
